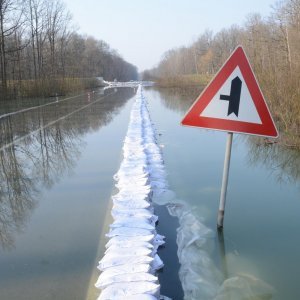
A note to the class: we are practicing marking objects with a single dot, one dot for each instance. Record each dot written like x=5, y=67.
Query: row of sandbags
x=130, y=261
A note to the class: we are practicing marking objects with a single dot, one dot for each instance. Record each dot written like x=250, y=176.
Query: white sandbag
x=134, y=222
x=127, y=196
x=138, y=297
x=151, y=219
x=127, y=213
x=138, y=180
x=119, y=239
x=125, y=269
x=129, y=289
x=128, y=251
x=105, y=262
x=157, y=263
x=129, y=244
x=130, y=257
x=127, y=231
x=130, y=190
x=126, y=170
x=130, y=204
x=130, y=169
x=126, y=277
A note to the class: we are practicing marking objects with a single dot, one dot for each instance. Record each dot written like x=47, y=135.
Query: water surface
x=263, y=201
x=57, y=163
x=56, y=179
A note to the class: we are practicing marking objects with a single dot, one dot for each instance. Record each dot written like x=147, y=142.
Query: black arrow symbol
x=234, y=97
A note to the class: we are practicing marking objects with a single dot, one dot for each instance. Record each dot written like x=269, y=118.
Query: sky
x=143, y=30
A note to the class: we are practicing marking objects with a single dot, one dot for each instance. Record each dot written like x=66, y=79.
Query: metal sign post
x=232, y=102
x=225, y=181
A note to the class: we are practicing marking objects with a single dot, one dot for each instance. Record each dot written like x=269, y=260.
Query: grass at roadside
x=48, y=87
x=283, y=103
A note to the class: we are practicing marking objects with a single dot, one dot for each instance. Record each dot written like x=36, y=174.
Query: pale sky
x=142, y=30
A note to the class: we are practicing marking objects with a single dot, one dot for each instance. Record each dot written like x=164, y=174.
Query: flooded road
x=57, y=164
x=57, y=167
x=261, y=225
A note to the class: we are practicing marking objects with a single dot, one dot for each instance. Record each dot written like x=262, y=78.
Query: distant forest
x=41, y=53
x=273, y=47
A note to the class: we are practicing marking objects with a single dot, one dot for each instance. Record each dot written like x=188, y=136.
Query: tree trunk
x=288, y=49
x=32, y=41
x=2, y=56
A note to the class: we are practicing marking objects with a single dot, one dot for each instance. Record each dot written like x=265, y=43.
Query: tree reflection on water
x=284, y=163
x=179, y=99
x=38, y=146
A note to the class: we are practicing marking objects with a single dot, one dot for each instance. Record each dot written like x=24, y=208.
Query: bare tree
x=11, y=13
x=273, y=47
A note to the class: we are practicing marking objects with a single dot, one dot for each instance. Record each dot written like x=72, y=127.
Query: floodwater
x=56, y=176
x=260, y=240
x=57, y=163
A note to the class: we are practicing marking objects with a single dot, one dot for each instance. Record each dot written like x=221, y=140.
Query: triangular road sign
x=233, y=101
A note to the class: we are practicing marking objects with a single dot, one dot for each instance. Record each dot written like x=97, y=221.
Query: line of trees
x=273, y=48
x=39, y=49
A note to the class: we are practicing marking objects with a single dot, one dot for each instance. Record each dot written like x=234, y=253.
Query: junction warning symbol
x=233, y=101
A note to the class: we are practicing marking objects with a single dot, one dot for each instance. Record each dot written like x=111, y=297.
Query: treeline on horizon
x=273, y=47
x=42, y=55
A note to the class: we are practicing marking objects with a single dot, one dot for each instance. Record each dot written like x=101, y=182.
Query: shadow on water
x=38, y=146
x=169, y=280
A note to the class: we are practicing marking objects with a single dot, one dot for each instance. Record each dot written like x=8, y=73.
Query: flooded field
x=56, y=172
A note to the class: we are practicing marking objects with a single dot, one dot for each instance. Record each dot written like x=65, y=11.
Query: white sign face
x=245, y=110
x=232, y=101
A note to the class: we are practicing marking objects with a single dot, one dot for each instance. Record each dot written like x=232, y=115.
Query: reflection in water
x=242, y=285
x=284, y=163
x=222, y=253
x=38, y=146
x=179, y=99
x=17, y=195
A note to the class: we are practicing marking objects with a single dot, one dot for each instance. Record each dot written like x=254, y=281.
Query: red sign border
x=193, y=118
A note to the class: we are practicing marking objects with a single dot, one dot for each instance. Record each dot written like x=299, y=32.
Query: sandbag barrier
x=130, y=261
